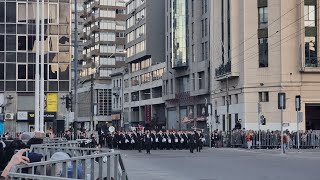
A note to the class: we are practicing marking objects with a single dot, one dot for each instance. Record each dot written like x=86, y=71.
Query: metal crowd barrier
x=273, y=140
x=91, y=167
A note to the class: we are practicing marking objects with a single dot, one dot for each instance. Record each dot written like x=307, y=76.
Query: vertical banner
x=52, y=102
x=147, y=113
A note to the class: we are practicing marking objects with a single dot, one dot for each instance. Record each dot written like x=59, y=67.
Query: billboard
x=52, y=102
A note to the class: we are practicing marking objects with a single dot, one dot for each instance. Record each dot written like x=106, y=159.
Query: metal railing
x=91, y=167
x=85, y=163
x=271, y=140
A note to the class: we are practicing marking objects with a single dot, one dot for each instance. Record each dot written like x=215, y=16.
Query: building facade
x=187, y=77
x=145, y=47
x=17, y=63
x=103, y=50
x=261, y=48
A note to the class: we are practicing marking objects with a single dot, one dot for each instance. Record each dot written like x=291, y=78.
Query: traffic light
x=263, y=121
x=68, y=103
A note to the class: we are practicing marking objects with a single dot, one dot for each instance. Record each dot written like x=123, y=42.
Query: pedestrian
x=148, y=140
x=249, y=139
x=191, y=141
x=140, y=139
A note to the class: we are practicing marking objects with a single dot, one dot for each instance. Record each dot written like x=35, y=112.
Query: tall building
x=187, y=78
x=17, y=63
x=103, y=50
x=145, y=46
x=261, y=48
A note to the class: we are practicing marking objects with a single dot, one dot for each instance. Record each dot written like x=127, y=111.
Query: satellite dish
x=111, y=129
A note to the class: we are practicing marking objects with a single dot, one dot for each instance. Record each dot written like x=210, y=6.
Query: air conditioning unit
x=142, y=16
x=9, y=116
x=141, y=34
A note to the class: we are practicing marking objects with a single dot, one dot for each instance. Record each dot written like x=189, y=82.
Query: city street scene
x=159, y=89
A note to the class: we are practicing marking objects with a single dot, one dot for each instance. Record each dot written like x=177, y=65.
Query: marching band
x=167, y=140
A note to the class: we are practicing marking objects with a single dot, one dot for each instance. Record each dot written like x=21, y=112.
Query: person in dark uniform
x=140, y=139
x=114, y=136
x=159, y=138
x=153, y=143
x=166, y=139
x=198, y=141
x=185, y=140
x=148, y=141
x=191, y=141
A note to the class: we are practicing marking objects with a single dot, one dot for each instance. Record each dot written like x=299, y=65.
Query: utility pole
x=91, y=101
x=37, y=77
x=75, y=62
x=227, y=98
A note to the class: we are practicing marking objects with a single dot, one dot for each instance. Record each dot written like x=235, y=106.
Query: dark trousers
x=191, y=147
x=148, y=148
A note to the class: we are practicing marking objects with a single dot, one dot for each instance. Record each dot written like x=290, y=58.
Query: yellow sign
x=52, y=102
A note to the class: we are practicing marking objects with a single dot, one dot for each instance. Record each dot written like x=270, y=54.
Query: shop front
x=25, y=121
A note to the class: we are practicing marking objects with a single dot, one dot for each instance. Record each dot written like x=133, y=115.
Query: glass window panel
x=2, y=28
x=53, y=58
x=22, y=71
x=21, y=29
x=64, y=30
x=21, y=57
x=30, y=85
x=11, y=12
x=64, y=86
x=1, y=56
x=53, y=86
x=11, y=57
x=2, y=12
x=31, y=29
x=10, y=85
x=53, y=71
x=1, y=71
x=31, y=71
x=64, y=14
x=1, y=85
x=1, y=42
x=11, y=29
x=21, y=86
x=53, y=29
x=64, y=57
x=22, y=12
x=53, y=13
x=32, y=43
x=32, y=12
x=10, y=71
x=22, y=43
x=64, y=71
x=31, y=57
x=53, y=43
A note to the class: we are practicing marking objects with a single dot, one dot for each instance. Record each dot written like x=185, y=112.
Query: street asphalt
x=222, y=164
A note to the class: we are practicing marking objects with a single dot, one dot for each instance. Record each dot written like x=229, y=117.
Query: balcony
x=223, y=70
x=91, y=19
x=83, y=35
x=83, y=14
x=116, y=91
x=179, y=64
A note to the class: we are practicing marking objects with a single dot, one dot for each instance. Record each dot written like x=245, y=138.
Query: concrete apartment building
x=261, y=48
x=17, y=64
x=187, y=77
x=145, y=47
x=103, y=50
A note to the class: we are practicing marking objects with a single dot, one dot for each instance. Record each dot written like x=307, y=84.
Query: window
x=183, y=84
x=135, y=96
x=201, y=80
x=126, y=97
x=22, y=12
x=309, y=15
x=202, y=6
x=53, y=13
x=1, y=71
x=236, y=97
x=53, y=43
x=2, y=15
x=223, y=100
x=202, y=52
x=53, y=71
x=206, y=50
x=311, y=59
x=193, y=82
x=206, y=27
x=11, y=12
x=263, y=52
x=192, y=30
x=229, y=100
x=202, y=28
x=192, y=7
x=104, y=102
x=22, y=71
x=263, y=17
x=205, y=6
x=236, y=118
x=31, y=71
x=263, y=96
x=22, y=43
x=192, y=53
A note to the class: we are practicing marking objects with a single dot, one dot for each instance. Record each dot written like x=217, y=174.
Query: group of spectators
x=241, y=138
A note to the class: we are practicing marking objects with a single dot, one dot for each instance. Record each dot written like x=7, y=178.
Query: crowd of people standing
x=151, y=139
